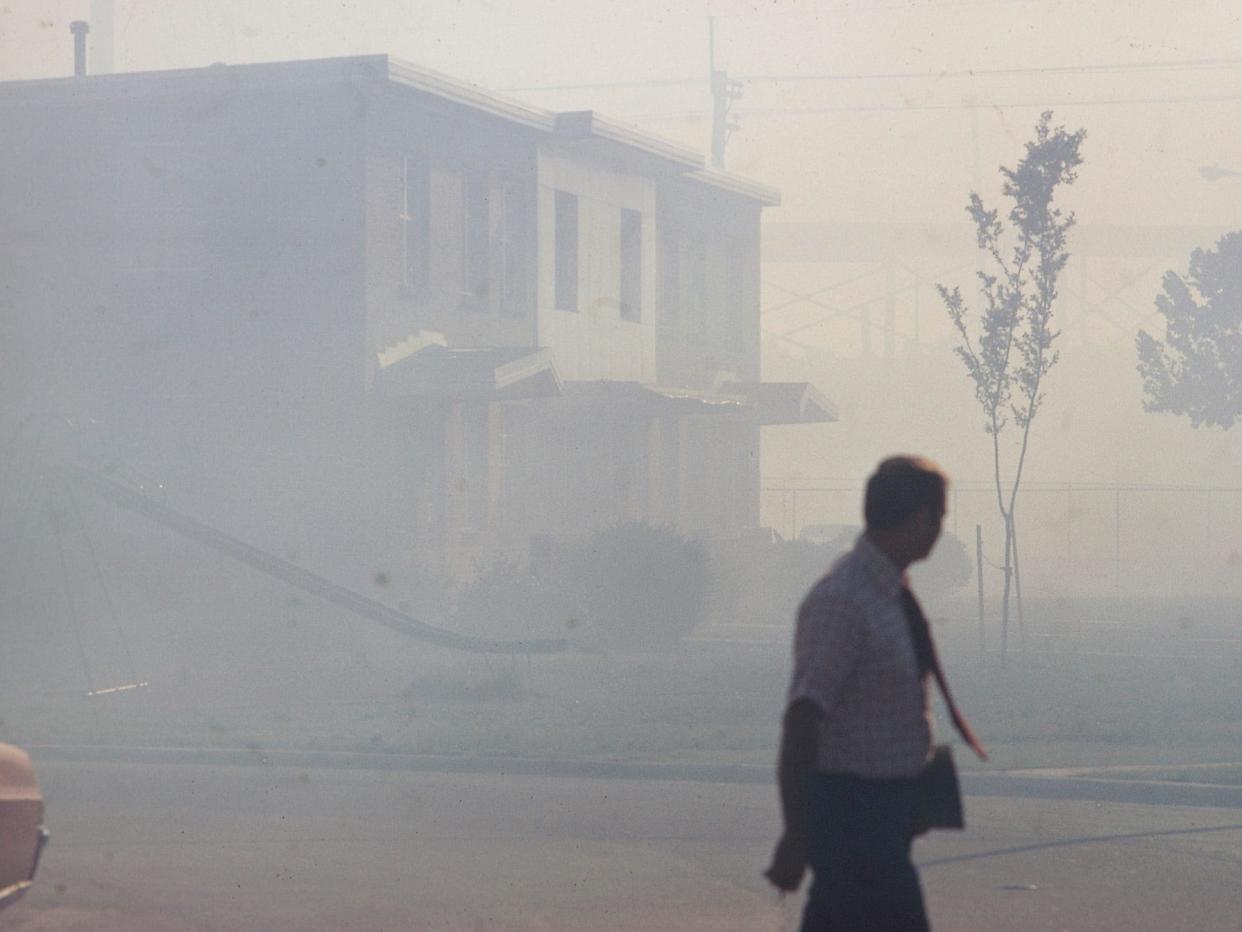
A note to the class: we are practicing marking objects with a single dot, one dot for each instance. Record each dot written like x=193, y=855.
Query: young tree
x=1010, y=350
x=1197, y=370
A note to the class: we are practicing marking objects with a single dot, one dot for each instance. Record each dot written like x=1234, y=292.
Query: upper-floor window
x=476, y=237
x=631, y=264
x=515, y=243
x=415, y=221
x=670, y=279
x=566, y=258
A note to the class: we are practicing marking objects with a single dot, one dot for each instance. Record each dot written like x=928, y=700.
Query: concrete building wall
x=593, y=342
x=708, y=286
x=410, y=142
x=204, y=242
x=572, y=469
x=207, y=271
x=183, y=299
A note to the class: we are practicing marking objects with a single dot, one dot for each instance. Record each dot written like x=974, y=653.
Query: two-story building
x=348, y=309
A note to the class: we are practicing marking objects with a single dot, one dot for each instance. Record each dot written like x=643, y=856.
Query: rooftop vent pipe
x=79, y=28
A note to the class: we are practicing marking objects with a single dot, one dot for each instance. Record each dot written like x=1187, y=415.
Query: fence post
x=979, y=570
x=1117, y=539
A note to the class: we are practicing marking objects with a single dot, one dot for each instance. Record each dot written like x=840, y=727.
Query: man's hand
x=799, y=745
x=788, y=863
x=968, y=735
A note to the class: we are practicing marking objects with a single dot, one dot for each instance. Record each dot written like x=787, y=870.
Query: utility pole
x=724, y=92
x=979, y=568
x=79, y=28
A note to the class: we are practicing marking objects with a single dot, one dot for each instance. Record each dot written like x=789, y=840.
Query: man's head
x=904, y=507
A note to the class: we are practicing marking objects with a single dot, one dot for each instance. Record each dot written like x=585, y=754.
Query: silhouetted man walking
x=857, y=729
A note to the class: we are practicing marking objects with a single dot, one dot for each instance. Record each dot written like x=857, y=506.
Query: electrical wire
x=1147, y=67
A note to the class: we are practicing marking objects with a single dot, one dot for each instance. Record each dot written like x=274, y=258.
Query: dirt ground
x=200, y=847
x=249, y=843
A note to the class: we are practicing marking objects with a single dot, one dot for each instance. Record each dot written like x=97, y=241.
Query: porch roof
x=652, y=400
x=785, y=402
x=497, y=373
x=768, y=402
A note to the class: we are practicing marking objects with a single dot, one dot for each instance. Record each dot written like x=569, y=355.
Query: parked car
x=22, y=834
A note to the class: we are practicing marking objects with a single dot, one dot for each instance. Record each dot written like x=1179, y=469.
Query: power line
x=1009, y=105
x=601, y=85
x=697, y=114
x=1039, y=70
x=800, y=297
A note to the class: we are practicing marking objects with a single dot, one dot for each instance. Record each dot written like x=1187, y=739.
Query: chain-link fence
x=1074, y=539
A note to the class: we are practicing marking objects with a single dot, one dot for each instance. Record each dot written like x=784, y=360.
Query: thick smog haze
x=420, y=423
x=832, y=93
x=857, y=113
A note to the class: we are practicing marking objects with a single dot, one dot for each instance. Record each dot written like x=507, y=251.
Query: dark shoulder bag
x=939, y=796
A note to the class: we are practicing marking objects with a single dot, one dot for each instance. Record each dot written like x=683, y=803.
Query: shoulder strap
x=929, y=660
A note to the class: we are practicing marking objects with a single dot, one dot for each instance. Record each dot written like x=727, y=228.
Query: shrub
x=508, y=602
x=947, y=569
x=413, y=588
x=642, y=586
x=762, y=580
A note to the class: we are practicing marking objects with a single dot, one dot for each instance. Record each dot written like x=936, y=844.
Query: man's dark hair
x=899, y=487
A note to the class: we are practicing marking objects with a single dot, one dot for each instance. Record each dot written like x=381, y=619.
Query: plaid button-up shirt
x=853, y=657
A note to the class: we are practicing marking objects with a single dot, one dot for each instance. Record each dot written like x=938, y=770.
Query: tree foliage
x=1013, y=351
x=1010, y=350
x=1196, y=371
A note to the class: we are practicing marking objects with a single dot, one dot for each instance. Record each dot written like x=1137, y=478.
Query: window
x=566, y=258
x=476, y=238
x=415, y=222
x=515, y=242
x=631, y=264
x=670, y=279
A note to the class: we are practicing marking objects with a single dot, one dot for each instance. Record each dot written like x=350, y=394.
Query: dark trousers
x=860, y=856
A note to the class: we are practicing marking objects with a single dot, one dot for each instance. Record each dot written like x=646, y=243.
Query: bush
x=508, y=602
x=642, y=586
x=413, y=588
x=762, y=580
x=947, y=569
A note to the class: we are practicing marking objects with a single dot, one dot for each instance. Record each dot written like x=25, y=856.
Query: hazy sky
x=832, y=92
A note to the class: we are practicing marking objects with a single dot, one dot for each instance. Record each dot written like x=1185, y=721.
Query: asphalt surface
x=257, y=841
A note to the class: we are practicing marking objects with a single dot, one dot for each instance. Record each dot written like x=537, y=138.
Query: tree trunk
x=1017, y=586
x=1008, y=580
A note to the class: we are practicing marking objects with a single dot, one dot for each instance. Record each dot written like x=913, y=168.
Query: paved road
x=230, y=846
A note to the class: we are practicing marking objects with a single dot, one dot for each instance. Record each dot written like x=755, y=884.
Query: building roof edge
x=767, y=196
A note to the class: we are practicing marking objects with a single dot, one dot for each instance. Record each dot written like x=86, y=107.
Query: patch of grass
x=466, y=684
x=700, y=702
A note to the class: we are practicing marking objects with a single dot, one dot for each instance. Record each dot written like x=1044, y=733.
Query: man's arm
x=799, y=747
